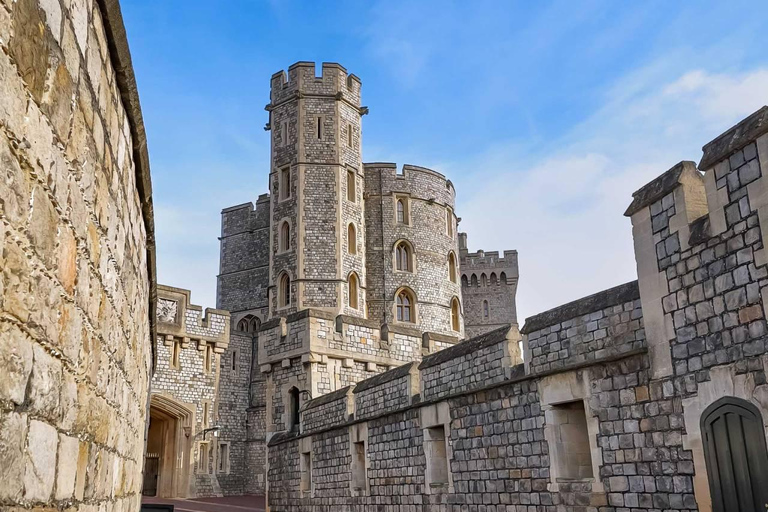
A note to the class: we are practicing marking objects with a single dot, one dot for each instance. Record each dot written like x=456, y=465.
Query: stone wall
x=429, y=204
x=606, y=412
x=243, y=281
x=603, y=324
x=76, y=259
x=488, y=287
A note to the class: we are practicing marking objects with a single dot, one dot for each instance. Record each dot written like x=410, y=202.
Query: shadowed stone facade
x=620, y=401
x=77, y=269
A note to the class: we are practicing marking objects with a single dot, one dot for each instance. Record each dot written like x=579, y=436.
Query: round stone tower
x=317, y=235
x=412, y=252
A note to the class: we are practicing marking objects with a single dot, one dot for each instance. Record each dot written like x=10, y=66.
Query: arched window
x=249, y=324
x=284, y=291
x=452, y=267
x=503, y=278
x=403, y=257
x=493, y=279
x=405, y=305
x=402, y=212
x=254, y=325
x=464, y=281
x=352, y=286
x=285, y=237
x=351, y=239
x=351, y=185
x=242, y=325
x=483, y=280
x=293, y=408
x=455, y=314
x=474, y=280
x=486, y=309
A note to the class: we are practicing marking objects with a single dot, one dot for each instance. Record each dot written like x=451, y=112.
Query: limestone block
x=69, y=448
x=45, y=385
x=15, y=363
x=40, y=461
x=13, y=433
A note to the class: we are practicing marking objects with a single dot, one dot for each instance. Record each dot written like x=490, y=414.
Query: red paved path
x=226, y=504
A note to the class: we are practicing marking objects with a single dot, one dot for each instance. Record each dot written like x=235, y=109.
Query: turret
x=317, y=225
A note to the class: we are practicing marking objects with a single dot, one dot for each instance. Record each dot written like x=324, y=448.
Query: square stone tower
x=317, y=235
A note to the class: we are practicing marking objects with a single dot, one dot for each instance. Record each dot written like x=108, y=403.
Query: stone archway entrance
x=167, y=461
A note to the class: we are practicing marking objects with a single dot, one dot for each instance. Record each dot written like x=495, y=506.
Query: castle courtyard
x=359, y=355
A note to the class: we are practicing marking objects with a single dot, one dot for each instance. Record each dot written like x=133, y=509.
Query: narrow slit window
x=402, y=212
x=306, y=473
x=351, y=239
x=359, y=471
x=319, y=128
x=449, y=222
x=234, y=360
x=349, y=135
x=353, y=291
x=455, y=323
x=284, y=133
x=285, y=237
x=203, y=461
x=285, y=183
x=351, y=189
x=436, y=451
x=205, y=414
x=486, y=309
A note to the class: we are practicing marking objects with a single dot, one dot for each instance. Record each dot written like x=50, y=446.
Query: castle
x=343, y=271
x=334, y=375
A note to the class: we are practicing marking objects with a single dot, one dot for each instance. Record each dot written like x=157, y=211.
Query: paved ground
x=228, y=504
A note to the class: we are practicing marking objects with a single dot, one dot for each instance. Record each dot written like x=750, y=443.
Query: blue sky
x=546, y=115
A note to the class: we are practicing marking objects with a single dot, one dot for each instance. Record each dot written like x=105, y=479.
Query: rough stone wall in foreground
x=75, y=342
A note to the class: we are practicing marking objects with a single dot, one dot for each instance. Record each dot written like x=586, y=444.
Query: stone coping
x=248, y=205
x=120, y=58
x=383, y=378
x=436, y=336
x=407, y=167
x=517, y=374
x=596, y=302
x=299, y=315
x=466, y=347
x=735, y=138
x=399, y=329
x=659, y=187
x=326, y=399
x=342, y=320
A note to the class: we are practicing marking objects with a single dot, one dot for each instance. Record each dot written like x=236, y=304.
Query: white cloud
x=563, y=210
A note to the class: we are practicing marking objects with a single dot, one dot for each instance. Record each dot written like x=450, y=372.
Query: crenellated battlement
x=178, y=319
x=315, y=334
x=302, y=79
x=408, y=177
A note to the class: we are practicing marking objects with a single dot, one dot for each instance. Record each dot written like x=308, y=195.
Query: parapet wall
x=605, y=324
x=301, y=78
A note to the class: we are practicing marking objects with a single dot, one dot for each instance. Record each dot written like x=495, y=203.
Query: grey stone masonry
x=428, y=198
x=489, y=288
x=243, y=280
x=606, y=323
x=609, y=410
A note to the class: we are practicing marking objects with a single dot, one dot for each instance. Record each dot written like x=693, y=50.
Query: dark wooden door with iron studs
x=736, y=455
x=151, y=470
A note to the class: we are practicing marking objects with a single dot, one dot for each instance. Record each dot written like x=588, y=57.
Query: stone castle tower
x=345, y=269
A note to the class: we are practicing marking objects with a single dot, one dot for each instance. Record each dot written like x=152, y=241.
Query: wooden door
x=736, y=455
x=151, y=470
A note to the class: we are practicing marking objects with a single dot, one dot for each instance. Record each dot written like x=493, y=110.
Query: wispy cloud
x=563, y=209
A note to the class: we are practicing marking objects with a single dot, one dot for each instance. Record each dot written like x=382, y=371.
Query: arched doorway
x=736, y=456
x=167, y=461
